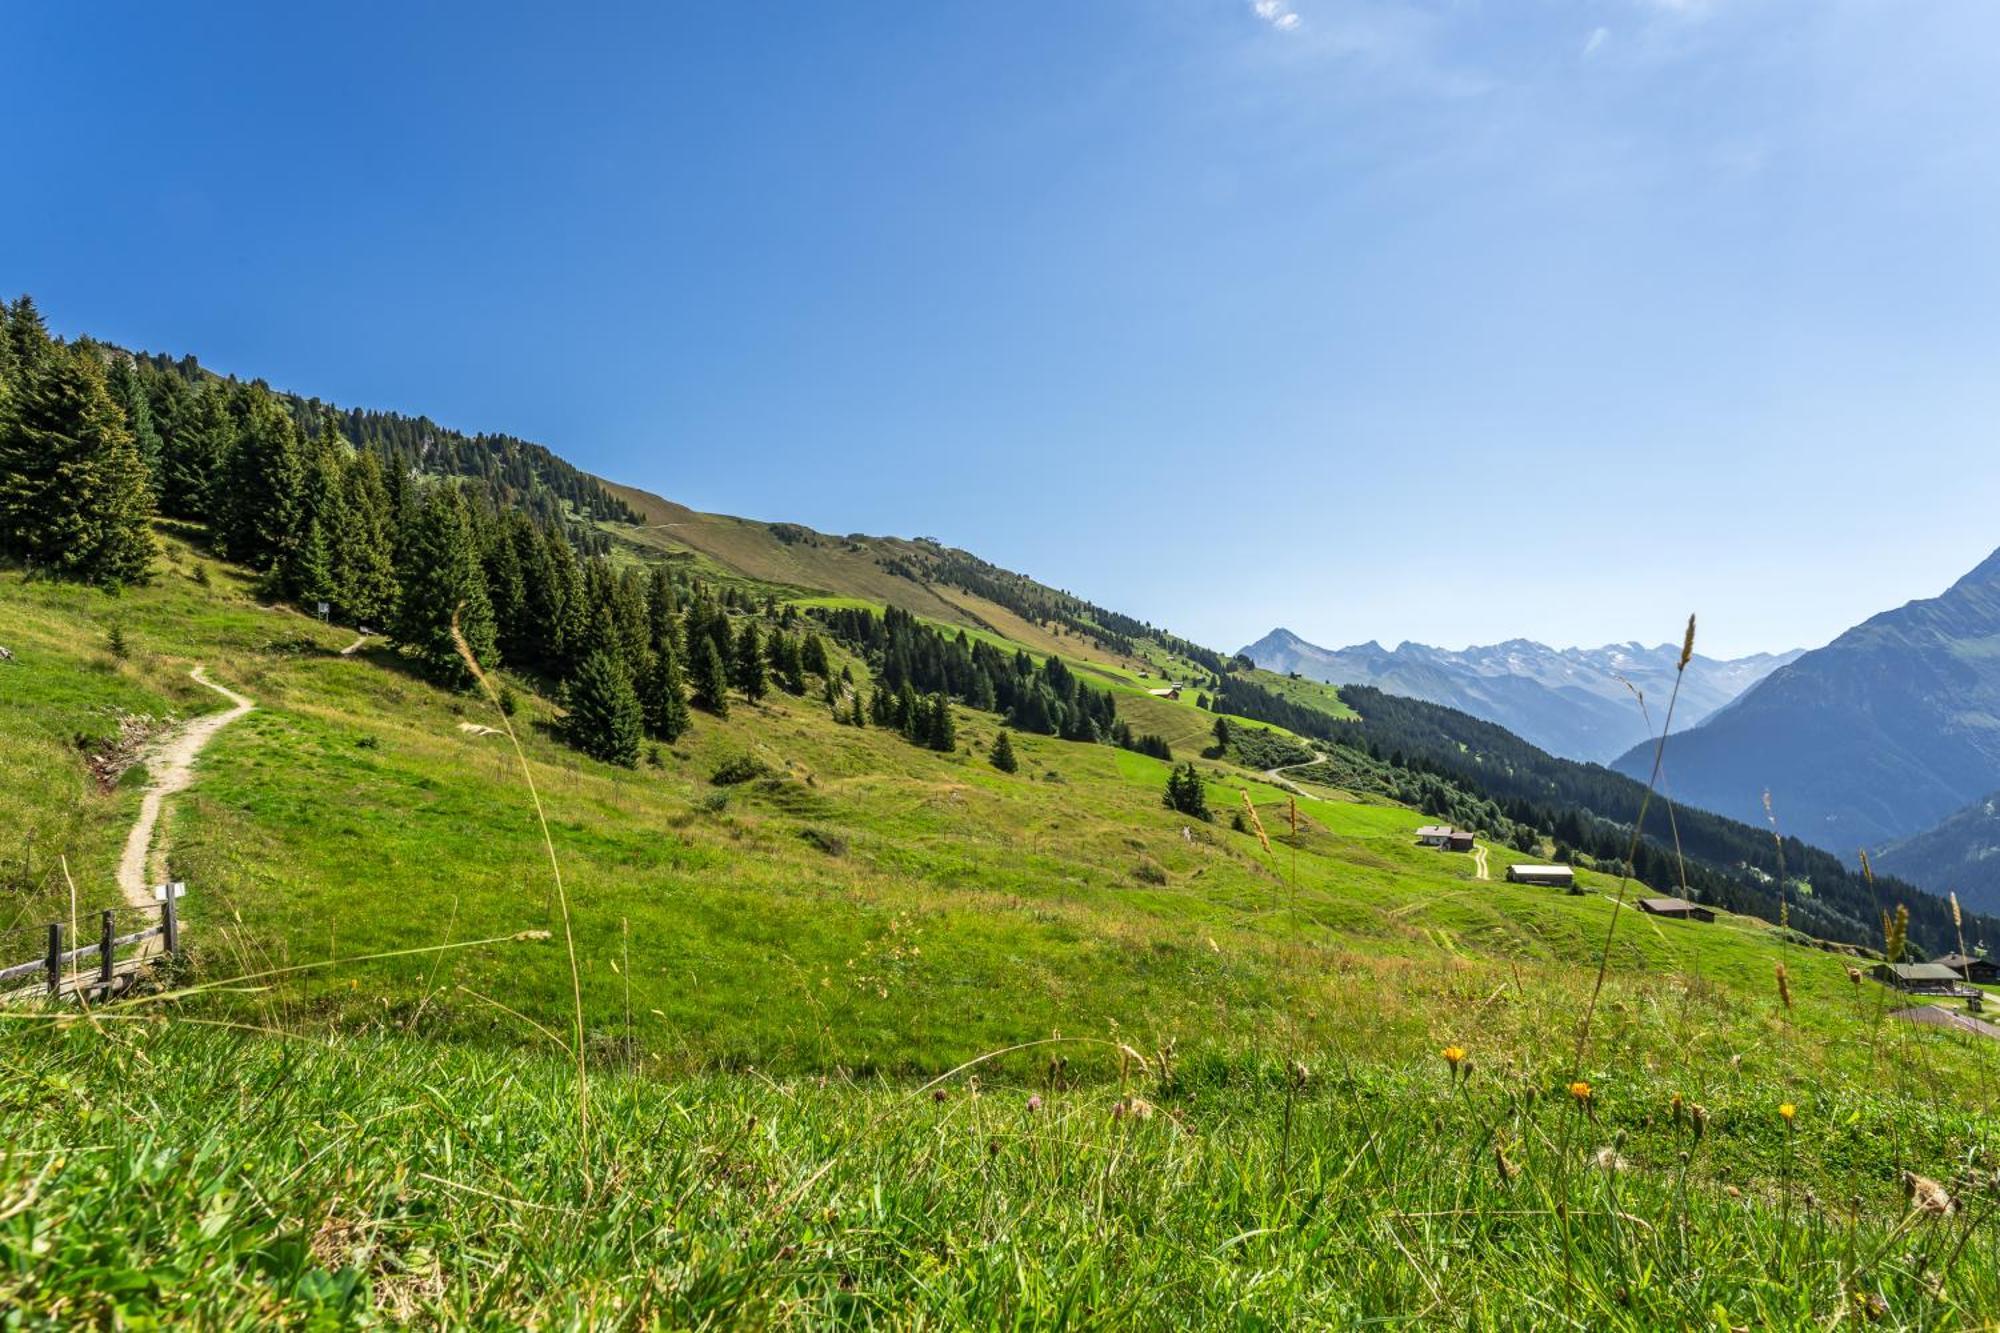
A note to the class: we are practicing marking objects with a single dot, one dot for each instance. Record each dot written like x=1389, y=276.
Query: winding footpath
x=1275, y=777
x=172, y=767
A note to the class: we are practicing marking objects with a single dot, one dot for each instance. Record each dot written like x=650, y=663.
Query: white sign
x=323, y=609
x=179, y=889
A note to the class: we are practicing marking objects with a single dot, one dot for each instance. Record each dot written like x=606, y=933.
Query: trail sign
x=178, y=889
x=323, y=609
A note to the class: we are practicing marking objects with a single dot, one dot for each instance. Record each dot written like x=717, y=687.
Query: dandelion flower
x=1453, y=1055
x=1581, y=1091
x=1786, y=1110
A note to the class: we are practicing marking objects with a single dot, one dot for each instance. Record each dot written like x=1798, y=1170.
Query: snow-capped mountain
x=1572, y=702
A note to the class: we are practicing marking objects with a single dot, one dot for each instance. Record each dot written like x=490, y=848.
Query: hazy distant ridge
x=1569, y=701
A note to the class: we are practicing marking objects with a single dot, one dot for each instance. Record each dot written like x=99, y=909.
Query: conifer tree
x=709, y=678
x=309, y=569
x=74, y=497
x=940, y=729
x=256, y=509
x=306, y=562
x=364, y=558
x=605, y=719
x=749, y=674
x=1186, y=793
x=440, y=576
x=661, y=607
x=812, y=655
x=1002, y=756
x=129, y=392
x=788, y=661
x=664, y=696
x=190, y=445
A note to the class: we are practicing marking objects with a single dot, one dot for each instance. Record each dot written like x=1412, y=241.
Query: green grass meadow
x=888, y=1038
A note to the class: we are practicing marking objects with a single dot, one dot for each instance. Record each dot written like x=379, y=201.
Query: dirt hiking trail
x=171, y=766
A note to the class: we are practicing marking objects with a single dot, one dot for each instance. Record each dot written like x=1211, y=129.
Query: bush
x=830, y=843
x=738, y=770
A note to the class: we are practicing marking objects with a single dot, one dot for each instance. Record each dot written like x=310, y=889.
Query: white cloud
x=1278, y=13
x=1595, y=43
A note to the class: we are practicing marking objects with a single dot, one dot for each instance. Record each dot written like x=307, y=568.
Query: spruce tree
x=440, y=576
x=1186, y=793
x=1002, y=756
x=605, y=719
x=664, y=696
x=309, y=570
x=74, y=495
x=812, y=656
x=364, y=557
x=749, y=674
x=710, y=680
x=941, y=730
x=256, y=509
x=128, y=390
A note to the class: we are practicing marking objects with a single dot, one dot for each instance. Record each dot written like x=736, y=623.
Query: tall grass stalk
x=562, y=895
x=1631, y=854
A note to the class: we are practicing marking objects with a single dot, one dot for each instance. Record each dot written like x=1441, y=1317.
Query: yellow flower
x=1580, y=1090
x=1787, y=1110
x=1453, y=1055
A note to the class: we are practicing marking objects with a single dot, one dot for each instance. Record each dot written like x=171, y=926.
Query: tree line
x=95, y=443
x=918, y=668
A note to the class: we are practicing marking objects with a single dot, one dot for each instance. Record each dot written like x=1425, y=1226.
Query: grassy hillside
x=876, y=914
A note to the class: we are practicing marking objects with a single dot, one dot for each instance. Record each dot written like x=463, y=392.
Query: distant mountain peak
x=1571, y=701
x=1874, y=738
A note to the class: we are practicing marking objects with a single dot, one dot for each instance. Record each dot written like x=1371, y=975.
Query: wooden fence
x=55, y=961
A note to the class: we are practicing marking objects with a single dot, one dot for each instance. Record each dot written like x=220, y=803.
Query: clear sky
x=1449, y=320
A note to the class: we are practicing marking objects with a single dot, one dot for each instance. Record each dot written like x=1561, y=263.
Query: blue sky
x=1448, y=321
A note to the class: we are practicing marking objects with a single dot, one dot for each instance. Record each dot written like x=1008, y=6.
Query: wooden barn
x=1555, y=876
x=1678, y=908
x=1980, y=971
x=1445, y=838
x=1920, y=978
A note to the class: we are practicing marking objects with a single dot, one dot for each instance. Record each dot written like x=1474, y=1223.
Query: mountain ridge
x=1575, y=702
x=1877, y=737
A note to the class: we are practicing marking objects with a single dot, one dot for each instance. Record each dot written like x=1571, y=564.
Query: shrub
x=830, y=843
x=739, y=769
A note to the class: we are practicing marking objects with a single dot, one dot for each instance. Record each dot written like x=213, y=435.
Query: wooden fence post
x=55, y=957
x=171, y=922
x=105, y=950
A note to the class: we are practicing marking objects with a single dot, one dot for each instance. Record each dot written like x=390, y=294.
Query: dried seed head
x=1926, y=1195
x=1256, y=824
x=1687, y=645
x=1784, y=986
x=1956, y=920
